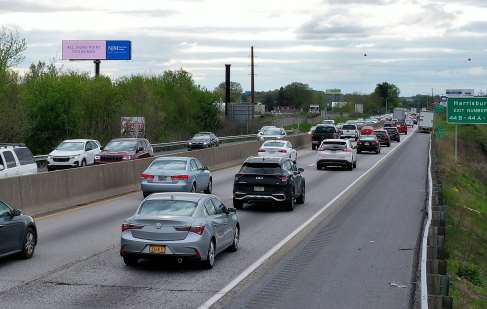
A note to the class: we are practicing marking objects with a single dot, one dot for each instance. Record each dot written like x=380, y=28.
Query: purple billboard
x=84, y=49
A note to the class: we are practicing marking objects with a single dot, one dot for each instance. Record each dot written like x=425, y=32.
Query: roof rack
x=12, y=145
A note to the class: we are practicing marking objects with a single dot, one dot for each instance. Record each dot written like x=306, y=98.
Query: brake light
x=261, y=150
x=128, y=226
x=179, y=177
x=196, y=229
x=147, y=176
x=375, y=142
x=283, y=178
x=283, y=150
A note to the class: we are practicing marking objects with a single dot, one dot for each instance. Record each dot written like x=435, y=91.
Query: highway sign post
x=466, y=110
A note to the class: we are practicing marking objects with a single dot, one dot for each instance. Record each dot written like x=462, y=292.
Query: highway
x=77, y=263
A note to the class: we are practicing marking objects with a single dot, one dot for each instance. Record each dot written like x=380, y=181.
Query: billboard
x=451, y=93
x=132, y=127
x=96, y=50
x=467, y=110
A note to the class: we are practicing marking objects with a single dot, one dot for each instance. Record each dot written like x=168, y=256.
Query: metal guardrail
x=179, y=145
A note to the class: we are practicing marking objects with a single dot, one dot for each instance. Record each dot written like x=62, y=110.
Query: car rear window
x=24, y=155
x=167, y=208
x=324, y=129
x=175, y=165
x=261, y=168
x=272, y=131
x=274, y=144
x=379, y=133
x=333, y=145
x=348, y=127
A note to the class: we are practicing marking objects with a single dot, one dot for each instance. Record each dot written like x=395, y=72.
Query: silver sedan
x=176, y=174
x=180, y=225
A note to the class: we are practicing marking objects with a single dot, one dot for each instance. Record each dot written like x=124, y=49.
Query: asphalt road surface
x=77, y=263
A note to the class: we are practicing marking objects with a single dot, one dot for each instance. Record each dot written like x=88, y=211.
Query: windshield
x=274, y=144
x=348, y=127
x=201, y=136
x=71, y=146
x=261, y=168
x=121, y=146
x=167, y=208
x=333, y=146
x=323, y=129
x=174, y=165
x=272, y=131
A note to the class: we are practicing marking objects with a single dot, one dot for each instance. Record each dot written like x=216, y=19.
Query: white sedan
x=278, y=148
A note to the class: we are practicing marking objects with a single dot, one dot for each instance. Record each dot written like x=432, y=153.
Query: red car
x=124, y=149
x=402, y=128
x=367, y=131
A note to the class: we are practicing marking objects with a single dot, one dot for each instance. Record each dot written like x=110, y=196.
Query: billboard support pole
x=97, y=67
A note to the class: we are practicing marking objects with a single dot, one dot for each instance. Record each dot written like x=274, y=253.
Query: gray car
x=189, y=226
x=18, y=233
x=176, y=174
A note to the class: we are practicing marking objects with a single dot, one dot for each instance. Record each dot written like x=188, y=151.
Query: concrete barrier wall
x=46, y=192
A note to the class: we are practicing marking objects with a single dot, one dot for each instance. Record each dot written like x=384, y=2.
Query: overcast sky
x=416, y=44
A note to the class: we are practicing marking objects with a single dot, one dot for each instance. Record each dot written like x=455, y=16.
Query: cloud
x=146, y=13
x=16, y=6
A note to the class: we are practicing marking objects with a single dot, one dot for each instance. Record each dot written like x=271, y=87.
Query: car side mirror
x=15, y=212
x=2, y=167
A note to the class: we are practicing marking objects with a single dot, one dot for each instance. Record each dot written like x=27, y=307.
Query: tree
x=11, y=48
x=389, y=93
x=235, y=91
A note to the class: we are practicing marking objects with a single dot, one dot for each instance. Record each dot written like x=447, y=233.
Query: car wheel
x=350, y=167
x=236, y=239
x=210, y=256
x=30, y=241
x=355, y=163
x=289, y=204
x=130, y=260
x=237, y=204
x=388, y=144
x=83, y=163
x=313, y=147
x=209, y=189
x=50, y=168
x=359, y=151
x=193, y=188
x=318, y=167
x=302, y=198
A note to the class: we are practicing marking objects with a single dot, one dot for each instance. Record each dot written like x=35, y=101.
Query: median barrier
x=53, y=191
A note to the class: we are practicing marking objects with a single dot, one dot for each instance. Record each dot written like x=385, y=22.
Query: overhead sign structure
x=467, y=110
x=97, y=50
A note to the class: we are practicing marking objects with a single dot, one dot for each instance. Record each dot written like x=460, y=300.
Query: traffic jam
x=179, y=217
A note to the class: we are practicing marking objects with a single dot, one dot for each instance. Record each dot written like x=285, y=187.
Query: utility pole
x=252, y=75
x=97, y=67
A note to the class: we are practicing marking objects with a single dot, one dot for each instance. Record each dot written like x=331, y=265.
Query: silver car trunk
x=164, y=176
x=162, y=228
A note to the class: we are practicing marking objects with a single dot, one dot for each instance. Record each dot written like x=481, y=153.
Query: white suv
x=337, y=152
x=16, y=160
x=350, y=131
x=73, y=153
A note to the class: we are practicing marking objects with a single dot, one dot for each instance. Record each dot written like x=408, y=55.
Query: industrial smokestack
x=227, y=87
x=252, y=76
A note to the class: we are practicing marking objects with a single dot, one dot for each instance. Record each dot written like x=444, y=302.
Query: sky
x=419, y=45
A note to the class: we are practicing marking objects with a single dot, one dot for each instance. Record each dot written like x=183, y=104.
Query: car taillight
x=283, y=150
x=360, y=142
x=179, y=177
x=128, y=226
x=283, y=178
x=193, y=229
x=375, y=142
x=261, y=150
x=147, y=176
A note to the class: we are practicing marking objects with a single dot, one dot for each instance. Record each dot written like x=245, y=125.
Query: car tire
x=237, y=204
x=50, y=169
x=359, y=151
x=302, y=198
x=289, y=204
x=209, y=189
x=388, y=144
x=83, y=163
x=210, y=256
x=355, y=163
x=193, y=188
x=29, y=244
x=130, y=260
x=350, y=167
x=313, y=147
x=318, y=167
x=236, y=239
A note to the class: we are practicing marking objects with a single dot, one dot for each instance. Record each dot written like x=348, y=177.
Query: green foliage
x=389, y=93
x=47, y=106
x=470, y=272
x=296, y=95
x=235, y=92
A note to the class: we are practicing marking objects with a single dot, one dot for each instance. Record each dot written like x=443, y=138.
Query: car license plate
x=153, y=249
x=367, y=143
x=163, y=179
x=259, y=189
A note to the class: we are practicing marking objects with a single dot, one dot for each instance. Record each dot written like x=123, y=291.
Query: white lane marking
x=312, y=165
x=424, y=248
x=254, y=266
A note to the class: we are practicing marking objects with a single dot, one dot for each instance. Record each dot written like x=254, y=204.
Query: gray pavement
x=365, y=256
x=77, y=264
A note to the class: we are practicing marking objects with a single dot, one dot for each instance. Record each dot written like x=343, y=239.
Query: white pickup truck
x=16, y=160
x=425, y=122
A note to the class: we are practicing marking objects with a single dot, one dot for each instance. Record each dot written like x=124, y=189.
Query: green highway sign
x=467, y=110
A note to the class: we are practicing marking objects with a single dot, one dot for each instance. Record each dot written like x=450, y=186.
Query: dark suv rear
x=321, y=133
x=269, y=180
x=393, y=133
x=124, y=149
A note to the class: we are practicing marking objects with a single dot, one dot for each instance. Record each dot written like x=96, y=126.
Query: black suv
x=393, y=133
x=269, y=180
x=321, y=133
